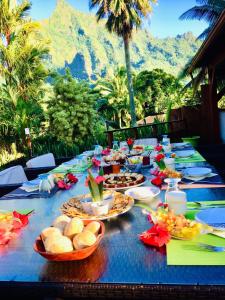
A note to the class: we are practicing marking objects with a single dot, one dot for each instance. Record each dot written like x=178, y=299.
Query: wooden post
x=110, y=138
x=209, y=122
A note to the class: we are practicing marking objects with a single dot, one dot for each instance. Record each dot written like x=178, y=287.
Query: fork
x=212, y=248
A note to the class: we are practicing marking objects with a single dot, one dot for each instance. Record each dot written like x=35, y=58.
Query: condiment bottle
x=174, y=197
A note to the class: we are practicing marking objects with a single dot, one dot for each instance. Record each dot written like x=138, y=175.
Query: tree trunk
x=129, y=80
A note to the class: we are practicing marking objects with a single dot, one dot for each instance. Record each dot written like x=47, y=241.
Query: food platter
x=122, y=204
x=122, y=181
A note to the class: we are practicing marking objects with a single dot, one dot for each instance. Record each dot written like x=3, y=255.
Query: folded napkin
x=197, y=157
x=31, y=186
x=212, y=178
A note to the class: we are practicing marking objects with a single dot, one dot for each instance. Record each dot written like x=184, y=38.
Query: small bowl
x=73, y=255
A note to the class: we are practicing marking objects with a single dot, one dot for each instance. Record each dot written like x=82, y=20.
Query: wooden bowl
x=73, y=255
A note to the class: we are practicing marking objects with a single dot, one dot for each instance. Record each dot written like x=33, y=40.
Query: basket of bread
x=69, y=239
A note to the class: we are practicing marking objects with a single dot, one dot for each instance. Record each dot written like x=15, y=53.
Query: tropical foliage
x=21, y=69
x=155, y=91
x=71, y=110
x=207, y=10
x=122, y=18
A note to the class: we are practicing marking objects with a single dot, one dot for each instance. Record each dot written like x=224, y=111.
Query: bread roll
x=50, y=231
x=75, y=226
x=61, y=222
x=84, y=239
x=58, y=244
x=93, y=227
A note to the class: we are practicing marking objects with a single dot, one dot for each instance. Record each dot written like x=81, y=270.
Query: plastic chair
x=11, y=179
x=146, y=142
x=46, y=160
x=13, y=175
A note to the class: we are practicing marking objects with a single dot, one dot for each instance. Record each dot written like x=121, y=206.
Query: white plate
x=179, y=145
x=197, y=172
x=185, y=153
x=145, y=193
x=125, y=187
x=214, y=217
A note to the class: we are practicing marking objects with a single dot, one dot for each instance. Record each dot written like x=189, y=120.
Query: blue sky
x=164, y=21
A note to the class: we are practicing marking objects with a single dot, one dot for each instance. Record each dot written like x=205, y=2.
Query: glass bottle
x=174, y=197
x=115, y=145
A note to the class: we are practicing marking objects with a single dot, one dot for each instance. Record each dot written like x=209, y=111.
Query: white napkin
x=220, y=233
x=200, y=178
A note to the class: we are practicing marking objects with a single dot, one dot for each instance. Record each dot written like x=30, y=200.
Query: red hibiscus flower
x=62, y=185
x=72, y=178
x=163, y=205
x=157, y=181
x=130, y=141
x=162, y=175
x=159, y=157
x=96, y=162
x=99, y=179
x=22, y=218
x=106, y=151
x=158, y=148
x=156, y=236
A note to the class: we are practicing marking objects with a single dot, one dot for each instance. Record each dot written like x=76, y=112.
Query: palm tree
x=123, y=16
x=208, y=10
x=114, y=102
x=22, y=72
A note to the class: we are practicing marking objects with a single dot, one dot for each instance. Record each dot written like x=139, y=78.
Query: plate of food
x=121, y=204
x=69, y=239
x=122, y=181
x=184, y=153
x=116, y=157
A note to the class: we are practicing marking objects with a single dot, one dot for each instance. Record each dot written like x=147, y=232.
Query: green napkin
x=21, y=211
x=197, y=157
x=73, y=169
x=149, y=147
x=188, y=253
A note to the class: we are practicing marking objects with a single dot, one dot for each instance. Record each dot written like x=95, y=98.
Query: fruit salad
x=177, y=225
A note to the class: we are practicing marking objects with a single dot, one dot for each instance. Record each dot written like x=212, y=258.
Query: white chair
x=46, y=160
x=146, y=142
x=13, y=175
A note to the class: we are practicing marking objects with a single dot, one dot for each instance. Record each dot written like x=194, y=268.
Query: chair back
x=13, y=175
x=146, y=142
x=46, y=160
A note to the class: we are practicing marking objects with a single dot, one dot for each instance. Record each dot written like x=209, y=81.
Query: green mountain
x=89, y=50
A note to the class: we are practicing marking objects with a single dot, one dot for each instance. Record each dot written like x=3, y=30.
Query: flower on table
x=130, y=141
x=156, y=236
x=63, y=185
x=67, y=182
x=157, y=181
x=96, y=162
x=159, y=148
x=95, y=185
x=99, y=179
x=106, y=151
x=72, y=178
x=159, y=157
x=22, y=218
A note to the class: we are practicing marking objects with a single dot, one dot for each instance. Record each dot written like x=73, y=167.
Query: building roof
x=212, y=51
